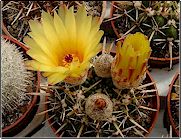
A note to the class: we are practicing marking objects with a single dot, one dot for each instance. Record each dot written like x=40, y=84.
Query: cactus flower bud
x=130, y=63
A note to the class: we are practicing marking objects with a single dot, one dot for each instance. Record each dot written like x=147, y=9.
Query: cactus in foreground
x=159, y=20
x=15, y=78
x=98, y=108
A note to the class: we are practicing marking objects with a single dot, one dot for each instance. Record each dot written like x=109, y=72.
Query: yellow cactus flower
x=62, y=45
x=130, y=63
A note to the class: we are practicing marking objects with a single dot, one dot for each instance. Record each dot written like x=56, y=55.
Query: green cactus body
x=159, y=20
x=15, y=79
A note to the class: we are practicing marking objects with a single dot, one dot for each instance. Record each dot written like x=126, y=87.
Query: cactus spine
x=159, y=20
x=15, y=77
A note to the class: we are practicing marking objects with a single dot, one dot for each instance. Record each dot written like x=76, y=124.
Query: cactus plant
x=14, y=82
x=93, y=106
x=98, y=108
x=159, y=20
x=16, y=14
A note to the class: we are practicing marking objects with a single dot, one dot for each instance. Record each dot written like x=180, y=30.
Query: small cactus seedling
x=15, y=79
x=99, y=107
x=159, y=20
x=102, y=63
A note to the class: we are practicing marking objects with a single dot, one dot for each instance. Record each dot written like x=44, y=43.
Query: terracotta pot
x=28, y=116
x=168, y=119
x=153, y=61
x=156, y=62
x=104, y=6
x=155, y=102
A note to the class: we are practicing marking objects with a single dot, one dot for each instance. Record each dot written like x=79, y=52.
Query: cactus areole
x=158, y=20
x=99, y=107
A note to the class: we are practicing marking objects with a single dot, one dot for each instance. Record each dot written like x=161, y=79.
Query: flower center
x=68, y=58
x=100, y=103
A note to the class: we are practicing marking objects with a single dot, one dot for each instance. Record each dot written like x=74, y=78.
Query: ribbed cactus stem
x=158, y=20
x=92, y=109
x=15, y=77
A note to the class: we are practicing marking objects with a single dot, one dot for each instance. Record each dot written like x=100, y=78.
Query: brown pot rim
x=35, y=97
x=164, y=59
x=5, y=29
x=169, y=103
x=118, y=36
x=152, y=125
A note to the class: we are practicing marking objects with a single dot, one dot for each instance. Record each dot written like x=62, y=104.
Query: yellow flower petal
x=47, y=74
x=60, y=30
x=56, y=78
x=70, y=26
x=36, y=27
x=62, y=12
x=44, y=68
x=36, y=52
x=49, y=30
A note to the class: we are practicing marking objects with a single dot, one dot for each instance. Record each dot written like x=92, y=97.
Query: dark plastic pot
x=29, y=114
